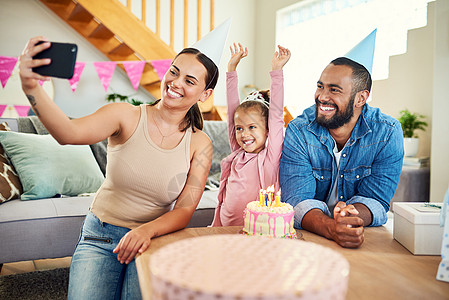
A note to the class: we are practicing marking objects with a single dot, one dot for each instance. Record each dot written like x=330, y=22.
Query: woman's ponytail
x=193, y=118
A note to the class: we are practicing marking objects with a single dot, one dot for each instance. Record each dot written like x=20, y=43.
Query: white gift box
x=417, y=227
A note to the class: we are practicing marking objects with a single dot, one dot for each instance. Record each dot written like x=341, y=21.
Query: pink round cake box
x=242, y=267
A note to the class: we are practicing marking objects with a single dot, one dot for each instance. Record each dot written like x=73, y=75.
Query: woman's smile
x=173, y=94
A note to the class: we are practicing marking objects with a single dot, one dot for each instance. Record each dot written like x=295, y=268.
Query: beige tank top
x=142, y=180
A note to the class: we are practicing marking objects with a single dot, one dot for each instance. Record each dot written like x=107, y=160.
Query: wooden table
x=380, y=269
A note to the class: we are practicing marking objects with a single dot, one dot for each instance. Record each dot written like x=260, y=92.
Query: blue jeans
x=95, y=272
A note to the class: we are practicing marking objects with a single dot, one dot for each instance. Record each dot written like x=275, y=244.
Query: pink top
x=244, y=174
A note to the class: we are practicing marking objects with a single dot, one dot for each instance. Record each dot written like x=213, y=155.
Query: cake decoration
x=269, y=216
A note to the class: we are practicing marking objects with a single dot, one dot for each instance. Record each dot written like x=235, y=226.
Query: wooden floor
x=35, y=265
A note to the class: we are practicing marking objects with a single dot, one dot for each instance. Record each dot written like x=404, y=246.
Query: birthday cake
x=269, y=216
x=229, y=267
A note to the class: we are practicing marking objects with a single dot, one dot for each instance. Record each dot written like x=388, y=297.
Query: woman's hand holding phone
x=42, y=59
x=28, y=78
x=63, y=58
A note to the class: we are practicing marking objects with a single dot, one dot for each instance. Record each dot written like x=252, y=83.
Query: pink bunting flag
x=105, y=70
x=2, y=109
x=7, y=64
x=79, y=66
x=161, y=66
x=22, y=110
x=134, y=70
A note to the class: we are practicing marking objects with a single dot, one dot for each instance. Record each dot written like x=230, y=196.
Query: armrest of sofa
x=12, y=123
x=218, y=134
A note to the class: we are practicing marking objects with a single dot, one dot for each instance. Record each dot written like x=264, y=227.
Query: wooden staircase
x=117, y=33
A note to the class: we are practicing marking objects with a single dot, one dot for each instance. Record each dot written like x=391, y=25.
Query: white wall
x=439, y=176
x=242, y=30
x=410, y=81
x=265, y=35
x=23, y=19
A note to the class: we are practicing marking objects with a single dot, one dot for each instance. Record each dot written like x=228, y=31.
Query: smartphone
x=63, y=58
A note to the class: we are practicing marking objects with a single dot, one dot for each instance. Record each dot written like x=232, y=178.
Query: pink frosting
x=271, y=223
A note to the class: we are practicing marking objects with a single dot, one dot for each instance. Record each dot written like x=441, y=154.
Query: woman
x=157, y=156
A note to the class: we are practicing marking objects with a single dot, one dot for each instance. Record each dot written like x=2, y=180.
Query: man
x=341, y=158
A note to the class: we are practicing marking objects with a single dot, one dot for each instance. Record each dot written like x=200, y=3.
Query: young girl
x=253, y=163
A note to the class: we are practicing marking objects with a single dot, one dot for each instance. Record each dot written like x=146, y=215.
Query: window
x=317, y=31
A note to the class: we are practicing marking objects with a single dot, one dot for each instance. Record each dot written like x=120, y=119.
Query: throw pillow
x=46, y=168
x=10, y=187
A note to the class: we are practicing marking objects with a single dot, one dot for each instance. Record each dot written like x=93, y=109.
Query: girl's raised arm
x=276, y=114
x=232, y=93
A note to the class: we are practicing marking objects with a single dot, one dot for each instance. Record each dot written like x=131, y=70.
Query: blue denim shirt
x=370, y=164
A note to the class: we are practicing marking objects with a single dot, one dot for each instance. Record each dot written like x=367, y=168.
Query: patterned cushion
x=46, y=168
x=10, y=186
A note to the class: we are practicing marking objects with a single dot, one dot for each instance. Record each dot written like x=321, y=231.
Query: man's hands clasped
x=348, y=228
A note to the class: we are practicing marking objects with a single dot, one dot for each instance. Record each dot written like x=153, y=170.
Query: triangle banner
x=79, y=66
x=7, y=64
x=161, y=67
x=105, y=70
x=2, y=109
x=22, y=110
x=134, y=70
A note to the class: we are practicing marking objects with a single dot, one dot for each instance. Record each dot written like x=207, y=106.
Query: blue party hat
x=363, y=52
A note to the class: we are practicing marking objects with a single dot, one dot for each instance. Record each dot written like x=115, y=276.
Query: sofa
x=49, y=227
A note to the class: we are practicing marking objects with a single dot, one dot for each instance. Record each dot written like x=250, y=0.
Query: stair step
x=153, y=89
x=105, y=46
x=101, y=32
x=79, y=14
x=149, y=76
x=122, y=50
x=84, y=28
x=57, y=2
x=62, y=8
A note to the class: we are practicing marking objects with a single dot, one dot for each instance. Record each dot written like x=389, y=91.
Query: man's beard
x=339, y=119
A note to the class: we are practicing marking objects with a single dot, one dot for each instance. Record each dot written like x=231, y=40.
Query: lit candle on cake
x=277, y=198
x=261, y=198
x=270, y=191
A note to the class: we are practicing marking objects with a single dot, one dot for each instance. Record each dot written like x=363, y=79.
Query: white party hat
x=212, y=44
x=363, y=52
